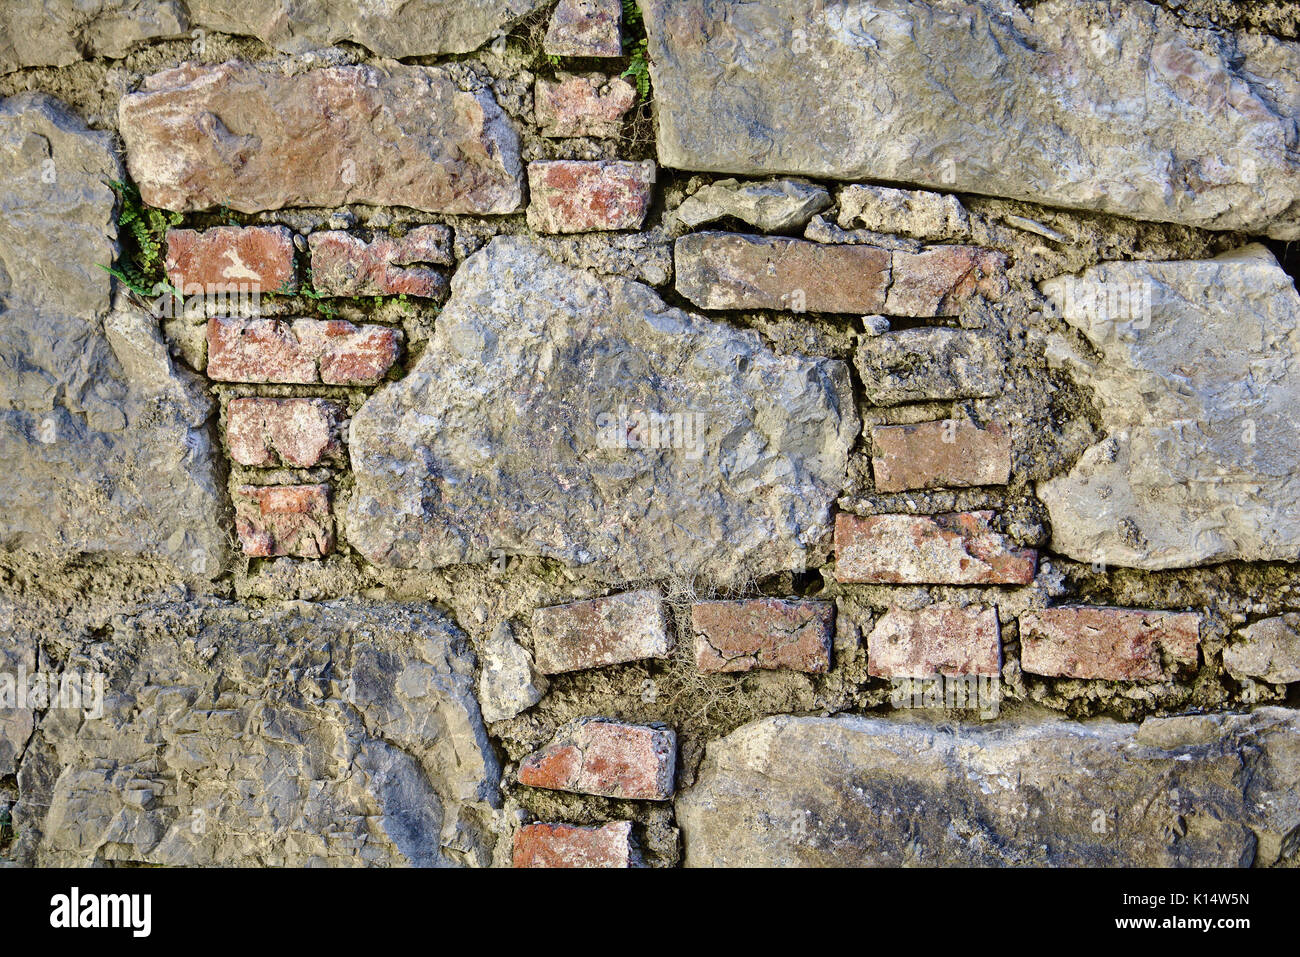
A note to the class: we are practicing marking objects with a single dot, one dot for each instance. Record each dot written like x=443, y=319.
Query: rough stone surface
x=916, y=365
x=903, y=212
x=255, y=258
x=578, y=196
x=1197, y=384
x=585, y=28
x=601, y=631
x=509, y=434
x=773, y=206
x=275, y=520
x=304, y=351
x=945, y=453
x=937, y=640
x=347, y=265
x=1036, y=790
x=507, y=681
x=1116, y=644
x=734, y=271
x=1269, y=650
x=250, y=138
x=588, y=104
x=763, y=633
x=567, y=845
x=294, y=734
x=92, y=410
x=957, y=549
x=1112, y=106
x=17, y=662
x=608, y=758
x=299, y=433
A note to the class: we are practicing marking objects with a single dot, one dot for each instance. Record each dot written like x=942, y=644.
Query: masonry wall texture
x=571, y=433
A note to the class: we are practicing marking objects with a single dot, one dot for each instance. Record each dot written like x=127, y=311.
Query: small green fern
x=143, y=234
x=638, y=69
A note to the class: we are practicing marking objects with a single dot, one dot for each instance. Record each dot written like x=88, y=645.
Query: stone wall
x=668, y=433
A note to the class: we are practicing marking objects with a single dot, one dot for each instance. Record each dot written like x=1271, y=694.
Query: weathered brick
x=607, y=758
x=960, y=548
x=585, y=28
x=347, y=265
x=305, y=351
x=944, y=453
x=600, y=631
x=568, y=845
x=257, y=258
x=293, y=432
x=736, y=271
x=937, y=280
x=920, y=365
x=589, y=104
x=938, y=640
x=1113, y=644
x=274, y=520
x=763, y=633
x=575, y=196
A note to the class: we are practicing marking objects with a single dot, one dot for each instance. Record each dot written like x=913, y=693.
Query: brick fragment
x=938, y=280
x=960, y=548
x=585, y=28
x=939, y=640
x=575, y=196
x=608, y=758
x=718, y=270
x=600, y=631
x=253, y=258
x=1113, y=644
x=298, y=433
x=276, y=520
x=347, y=265
x=944, y=453
x=763, y=633
x=589, y=104
x=568, y=845
x=305, y=351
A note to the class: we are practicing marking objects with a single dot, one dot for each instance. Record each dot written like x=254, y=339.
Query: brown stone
x=1113, y=644
x=567, y=845
x=763, y=633
x=601, y=631
x=575, y=196
x=298, y=433
x=254, y=138
x=945, y=453
x=937, y=280
x=306, y=351
x=961, y=548
x=346, y=265
x=608, y=758
x=255, y=258
x=275, y=520
x=938, y=640
x=585, y=28
x=589, y=104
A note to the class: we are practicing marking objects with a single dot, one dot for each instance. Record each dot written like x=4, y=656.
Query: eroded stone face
x=1197, y=386
x=562, y=414
x=1159, y=121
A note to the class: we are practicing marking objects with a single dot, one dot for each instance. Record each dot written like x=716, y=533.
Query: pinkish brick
x=938, y=640
x=601, y=631
x=305, y=351
x=274, y=520
x=296, y=432
x=937, y=280
x=575, y=196
x=1114, y=644
x=607, y=758
x=255, y=258
x=951, y=453
x=567, y=845
x=346, y=265
x=582, y=105
x=585, y=28
x=960, y=548
x=763, y=633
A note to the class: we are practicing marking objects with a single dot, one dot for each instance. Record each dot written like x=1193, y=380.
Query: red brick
x=294, y=432
x=607, y=758
x=601, y=631
x=937, y=280
x=346, y=265
x=256, y=258
x=567, y=845
x=946, y=453
x=582, y=105
x=575, y=196
x=938, y=640
x=304, y=351
x=763, y=633
x=585, y=28
x=274, y=520
x=960, y=548
x=1114, y=644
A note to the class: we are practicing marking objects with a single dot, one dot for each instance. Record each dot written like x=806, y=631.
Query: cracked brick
x=606, y=758
x=763, y=633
